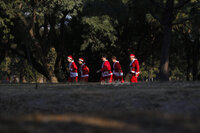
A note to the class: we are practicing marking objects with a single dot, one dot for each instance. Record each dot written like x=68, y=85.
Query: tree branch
x=181, y=4
x=156, y=17
x=35, y=64
x=45, y=32
x=185, y=19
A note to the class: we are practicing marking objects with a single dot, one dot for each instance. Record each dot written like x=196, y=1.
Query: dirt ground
x=94, y=108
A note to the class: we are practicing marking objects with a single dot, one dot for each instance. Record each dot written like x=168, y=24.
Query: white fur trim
x=117, y=73
x=132, y=62
x=86, y=75
x=73, y=74
x=114, y=64
x=104, y=74
x=133, y=72
x=70, y=58
x=81, y=60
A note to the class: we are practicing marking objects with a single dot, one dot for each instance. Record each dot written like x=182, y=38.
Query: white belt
x=118, y=73
x=73, y=74
x=104, y=74
x=86, y=75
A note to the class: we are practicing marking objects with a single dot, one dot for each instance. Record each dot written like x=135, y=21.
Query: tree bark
x=189, y=66
x=167, y=37
x=196, y=60
x=58, y=66
x=3, y=50
x=2, y=56
x=198, y=44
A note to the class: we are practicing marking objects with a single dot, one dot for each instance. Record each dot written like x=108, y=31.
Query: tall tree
x=40, y=26
x=169, y=10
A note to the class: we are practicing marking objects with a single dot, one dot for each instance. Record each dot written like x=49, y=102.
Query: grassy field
x=93, y=108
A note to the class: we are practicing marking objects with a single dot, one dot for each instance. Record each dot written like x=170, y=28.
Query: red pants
x=118, y=78
x=134, y=79
x=73, y=79
x=106, y=79
x=84, y=79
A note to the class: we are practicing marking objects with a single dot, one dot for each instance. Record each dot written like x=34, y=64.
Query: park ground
x=171, y=107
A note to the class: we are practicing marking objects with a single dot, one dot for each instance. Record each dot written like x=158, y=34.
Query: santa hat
x=70, y=57
x=81, y=59
x=132, y=55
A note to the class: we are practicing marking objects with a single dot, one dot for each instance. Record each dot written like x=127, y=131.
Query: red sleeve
x=74, y=66
x=108, y=66
x=85, y=69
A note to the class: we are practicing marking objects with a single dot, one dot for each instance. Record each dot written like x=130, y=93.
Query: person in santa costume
x=106, y=73
x=117, y=70
x=84, y=70
x=73, y=77
x=134, y=69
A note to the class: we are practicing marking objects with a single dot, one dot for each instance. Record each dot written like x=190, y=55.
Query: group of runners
x=107, y=75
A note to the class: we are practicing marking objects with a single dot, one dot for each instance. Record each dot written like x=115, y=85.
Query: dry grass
x=143, y=108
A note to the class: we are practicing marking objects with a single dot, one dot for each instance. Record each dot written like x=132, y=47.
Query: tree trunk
x=64, y=70
x=164, y=63
x=194, y=69
x=188, y=62
x=50, y=72
x=3, y=49
x=198, y=45
x=58, y=66
x=167, y=37
x=196, y=60
x=2, y=56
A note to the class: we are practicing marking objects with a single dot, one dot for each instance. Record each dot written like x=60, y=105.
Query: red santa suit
x=117, y=72
x=73, y=77
x=84, y=70
x=134, y=70
x=106, y=72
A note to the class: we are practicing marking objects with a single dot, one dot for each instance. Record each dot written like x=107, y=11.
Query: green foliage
x=7, y=13
x=148, y=72
x=16, y=66
x=5, y=66
x=176, y=74
x=100, y=33
x=52, y=29
x=51, y=57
